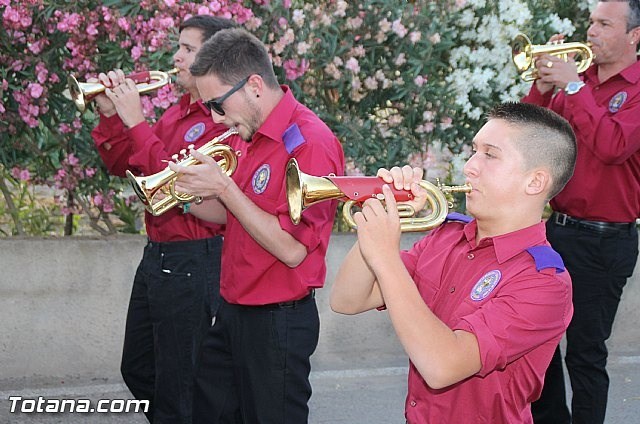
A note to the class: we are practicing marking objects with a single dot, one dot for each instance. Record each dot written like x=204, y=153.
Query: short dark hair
x=207, y=24
x=234, y=54
x=546, y=139
x=633, y=19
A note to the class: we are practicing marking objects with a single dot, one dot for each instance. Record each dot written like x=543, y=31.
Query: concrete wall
x=63, y=304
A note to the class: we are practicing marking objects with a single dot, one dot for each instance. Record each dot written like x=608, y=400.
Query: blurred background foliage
x=397, y=81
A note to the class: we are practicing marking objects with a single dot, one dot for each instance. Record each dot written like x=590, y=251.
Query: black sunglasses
x=216, y=104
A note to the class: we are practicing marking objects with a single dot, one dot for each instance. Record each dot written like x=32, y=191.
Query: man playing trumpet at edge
x=593, y=225
x=478, y=305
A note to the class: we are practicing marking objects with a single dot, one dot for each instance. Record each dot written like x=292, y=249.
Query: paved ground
x=364, y=395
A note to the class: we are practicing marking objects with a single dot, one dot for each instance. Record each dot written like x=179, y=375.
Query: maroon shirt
x=142, y=150
x=606, y=119
x=250, y=274
x=516, y=303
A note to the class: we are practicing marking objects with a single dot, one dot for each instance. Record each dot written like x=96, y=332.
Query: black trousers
x=599, y=264
x=175, y=294
x=253, y=366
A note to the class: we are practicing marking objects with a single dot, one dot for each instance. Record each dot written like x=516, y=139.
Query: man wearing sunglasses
x=176, y=288
x=254, y=363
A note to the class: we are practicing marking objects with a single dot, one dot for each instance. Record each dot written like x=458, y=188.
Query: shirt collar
x=186, y=107
x=630, y=73
x=506, y=246
x=280, y=117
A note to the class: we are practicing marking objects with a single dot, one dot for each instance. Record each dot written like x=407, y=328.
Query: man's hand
x=406, y=178
x=378, y=229
x=553, y=71
x=205, y=179
x=126, y=99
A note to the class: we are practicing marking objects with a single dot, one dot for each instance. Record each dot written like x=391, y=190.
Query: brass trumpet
x=523, y=54
x=83, y=92
x=305, y=190
x=147, y=187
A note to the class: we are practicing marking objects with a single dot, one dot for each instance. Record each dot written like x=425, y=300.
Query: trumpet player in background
x=479, y=304
x=176, y=287
x=593, y=223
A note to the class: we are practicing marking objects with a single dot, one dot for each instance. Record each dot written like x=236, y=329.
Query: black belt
x=187, y=246
x=600, y=227
x=288, y=304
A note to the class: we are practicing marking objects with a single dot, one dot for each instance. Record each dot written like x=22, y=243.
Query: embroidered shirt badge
x=617, y=101
x=194, y=132
x=485, y=285
x=261, y=179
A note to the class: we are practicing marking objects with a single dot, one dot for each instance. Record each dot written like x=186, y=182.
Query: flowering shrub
x=398, y=81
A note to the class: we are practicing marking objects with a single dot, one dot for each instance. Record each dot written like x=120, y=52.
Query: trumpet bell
x=148, y=188
x=304, y=190
x=81, y=93
x=523, y=54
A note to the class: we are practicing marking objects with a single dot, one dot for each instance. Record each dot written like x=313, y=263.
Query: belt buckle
x=562, y=222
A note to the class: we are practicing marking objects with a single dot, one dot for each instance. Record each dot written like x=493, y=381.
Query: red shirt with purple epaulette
x=511, y=292
x=250, y=274
x=144, y=150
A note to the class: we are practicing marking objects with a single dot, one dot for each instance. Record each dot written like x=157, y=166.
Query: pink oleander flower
x=419, y=80
x=20, y=174
x=352, y=65
x=35, y=90
x=446, y=123
x=72, y=159
x=136, y=52
x=293, y=70
x=401, y=59
x=399, y=29
x=385, y=25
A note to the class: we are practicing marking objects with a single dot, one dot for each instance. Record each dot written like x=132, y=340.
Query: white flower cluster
x=482, y=63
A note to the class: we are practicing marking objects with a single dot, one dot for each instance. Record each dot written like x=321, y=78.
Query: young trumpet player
x=479, y=304
x=175, y=291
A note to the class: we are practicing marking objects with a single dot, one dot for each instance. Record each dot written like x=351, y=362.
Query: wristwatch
x=573, y=87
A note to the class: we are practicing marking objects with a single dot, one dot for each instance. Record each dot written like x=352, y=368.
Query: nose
x=591, y=31
x=470, y=169
x=177, y=57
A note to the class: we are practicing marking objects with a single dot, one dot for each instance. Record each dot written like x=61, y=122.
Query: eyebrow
x=187, y=45
x=487, y=145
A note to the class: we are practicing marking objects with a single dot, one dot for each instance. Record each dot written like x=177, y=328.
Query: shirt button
x=452, y=289
x=471, y=256
x=413, y=403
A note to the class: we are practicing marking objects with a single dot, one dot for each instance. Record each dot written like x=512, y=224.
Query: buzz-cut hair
x=546, y=139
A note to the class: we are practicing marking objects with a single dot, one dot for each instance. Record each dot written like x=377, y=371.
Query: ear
x=635, y=35
x=539, y=182
x=255, y=85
